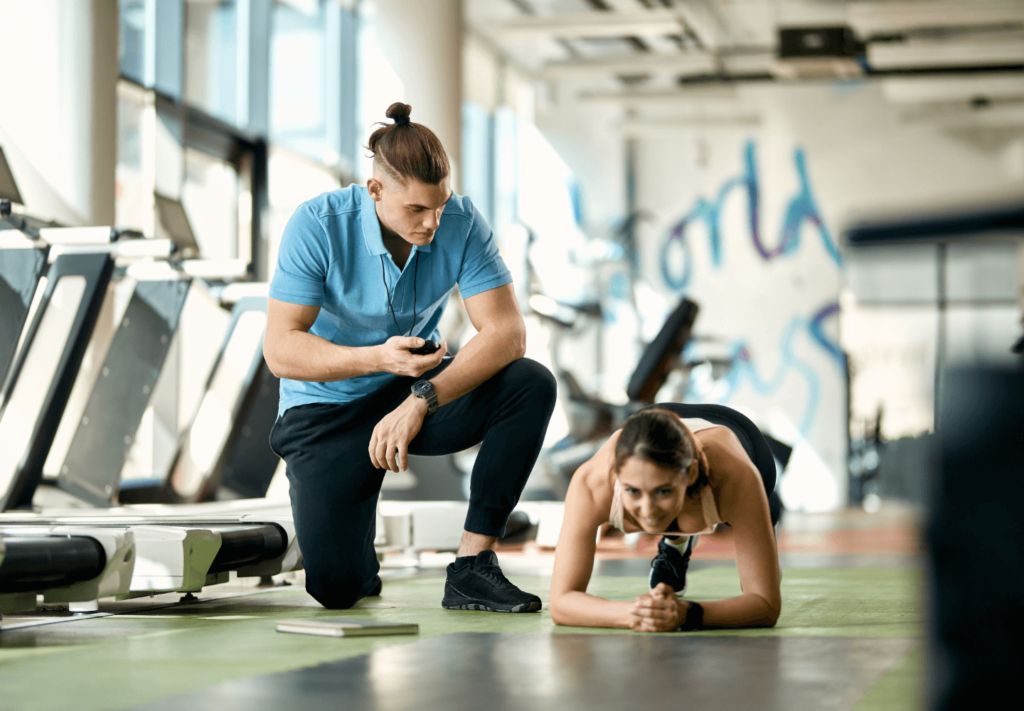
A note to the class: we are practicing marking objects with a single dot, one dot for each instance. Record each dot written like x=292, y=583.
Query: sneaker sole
x=679, y=593
x=482, y=607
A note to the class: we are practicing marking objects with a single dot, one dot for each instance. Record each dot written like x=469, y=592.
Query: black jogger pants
x=334, y=486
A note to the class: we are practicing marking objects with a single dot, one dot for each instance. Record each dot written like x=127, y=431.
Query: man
x=363, y=277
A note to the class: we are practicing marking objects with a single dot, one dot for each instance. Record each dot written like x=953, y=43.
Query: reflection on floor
x=557, y=672
x=847, y=638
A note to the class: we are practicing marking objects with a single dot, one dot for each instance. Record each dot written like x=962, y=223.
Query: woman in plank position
x=682, y=471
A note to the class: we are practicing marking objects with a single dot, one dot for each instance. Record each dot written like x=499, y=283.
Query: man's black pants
x=334, y=486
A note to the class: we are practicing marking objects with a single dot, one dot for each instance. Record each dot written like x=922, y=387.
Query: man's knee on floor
x=337, y=593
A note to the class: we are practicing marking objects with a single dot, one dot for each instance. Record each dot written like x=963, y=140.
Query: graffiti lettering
x=802, y=208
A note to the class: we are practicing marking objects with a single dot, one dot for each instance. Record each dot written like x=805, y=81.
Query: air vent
x=818, y=53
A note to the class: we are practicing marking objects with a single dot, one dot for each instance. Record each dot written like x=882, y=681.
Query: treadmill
x=77, y=566
x=258, y=540
x=20, y=271
x=227, y=445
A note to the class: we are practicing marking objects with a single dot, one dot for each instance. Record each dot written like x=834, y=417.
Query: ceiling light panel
x=946, y=53
x=691, y=63
x=591, y=24
x=882, y=17
x=916, y=90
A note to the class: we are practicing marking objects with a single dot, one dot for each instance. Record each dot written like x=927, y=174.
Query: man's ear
x=376, y=188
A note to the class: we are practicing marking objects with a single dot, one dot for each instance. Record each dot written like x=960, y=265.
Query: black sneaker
x=670, y=565
x=482, y=586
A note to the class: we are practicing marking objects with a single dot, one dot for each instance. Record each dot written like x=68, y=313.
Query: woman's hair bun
x=399, y=112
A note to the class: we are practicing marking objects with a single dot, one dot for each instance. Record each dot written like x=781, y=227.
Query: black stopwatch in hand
x=427, y=348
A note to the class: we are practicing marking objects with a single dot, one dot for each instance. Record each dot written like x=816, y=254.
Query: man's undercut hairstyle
x=658, y=436
x=404, y=150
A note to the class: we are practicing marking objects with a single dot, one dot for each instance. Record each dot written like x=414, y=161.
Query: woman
x=681, y=471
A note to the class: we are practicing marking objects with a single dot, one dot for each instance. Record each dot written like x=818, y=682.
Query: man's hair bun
x=412, y=153
x=399, y=112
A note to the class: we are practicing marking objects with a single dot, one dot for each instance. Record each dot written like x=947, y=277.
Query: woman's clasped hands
x=658, y=610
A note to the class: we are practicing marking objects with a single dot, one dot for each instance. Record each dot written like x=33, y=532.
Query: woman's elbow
x=558, y=613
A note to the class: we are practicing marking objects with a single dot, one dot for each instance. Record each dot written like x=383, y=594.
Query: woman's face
x=651, y=494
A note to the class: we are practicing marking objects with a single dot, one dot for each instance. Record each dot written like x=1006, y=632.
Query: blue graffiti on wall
x=816, y=329
x=802, y=208
x=743, y=368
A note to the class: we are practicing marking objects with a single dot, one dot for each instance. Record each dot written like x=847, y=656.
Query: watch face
x=421, y=388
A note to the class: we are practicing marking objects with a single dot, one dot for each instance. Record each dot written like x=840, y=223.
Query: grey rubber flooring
x=472, y=671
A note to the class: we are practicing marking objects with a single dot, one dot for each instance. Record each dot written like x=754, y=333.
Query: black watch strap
x=694, y=617
x=424, y=389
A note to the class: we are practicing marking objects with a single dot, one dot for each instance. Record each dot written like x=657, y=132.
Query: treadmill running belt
x=245, y=545
x=40, y=562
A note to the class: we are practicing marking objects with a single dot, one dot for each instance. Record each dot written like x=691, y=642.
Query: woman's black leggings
x=749, y=435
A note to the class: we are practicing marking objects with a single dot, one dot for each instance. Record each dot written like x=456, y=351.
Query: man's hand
x=393, y=356
x=389, y=445
x=658, y=610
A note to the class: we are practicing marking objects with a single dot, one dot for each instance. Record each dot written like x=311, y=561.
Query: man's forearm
x=302, y=356
x=479, y=360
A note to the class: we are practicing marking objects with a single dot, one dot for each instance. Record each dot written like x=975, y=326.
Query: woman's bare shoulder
x=593, y=480
x=731, y=471
x=722, y=445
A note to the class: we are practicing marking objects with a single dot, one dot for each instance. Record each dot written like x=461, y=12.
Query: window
x=132, y=48
x=211, y=199
x=133, y=200
x=312, y=80
x=211, y=58
x=147, y=57
x=292, y=181
x=478, y=158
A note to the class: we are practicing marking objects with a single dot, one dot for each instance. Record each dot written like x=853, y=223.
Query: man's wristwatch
x=694, y=618
x=424, y=389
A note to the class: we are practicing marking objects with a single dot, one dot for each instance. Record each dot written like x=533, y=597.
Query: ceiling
x=656, y=48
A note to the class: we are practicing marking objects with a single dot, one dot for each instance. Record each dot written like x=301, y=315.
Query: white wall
x=862, y=154
x=412, y=52
x=586, y=139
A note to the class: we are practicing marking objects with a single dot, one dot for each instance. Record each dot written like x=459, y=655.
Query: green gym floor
x=848, y=638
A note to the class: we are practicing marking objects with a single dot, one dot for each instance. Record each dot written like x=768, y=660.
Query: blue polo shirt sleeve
x=482, y=266
x=303, y=260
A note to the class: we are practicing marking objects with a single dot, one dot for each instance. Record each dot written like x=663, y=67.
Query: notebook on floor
x=348, y=627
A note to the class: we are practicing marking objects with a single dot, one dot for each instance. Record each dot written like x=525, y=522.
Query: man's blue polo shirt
x=330, y=257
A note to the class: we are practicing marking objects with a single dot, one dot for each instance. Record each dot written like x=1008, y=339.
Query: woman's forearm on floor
x=578, y=609
x=746, y=610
